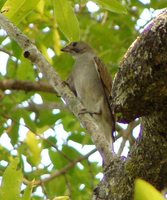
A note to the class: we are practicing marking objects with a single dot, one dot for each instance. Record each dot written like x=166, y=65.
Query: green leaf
x=25, y=70
x=22, y=113
x=4, y=154
x=47, y=145
x=112, y=5
x=2, y=3
x=66, y=19
x=17, y=10
x=26, y=116
x=11, y=182
x=27, y=192
x=59, y=160
x=34, y=148
x=13, y=132
x=145, y=191
x=17, y=51
x=56, y=187
x=46, y=117
x=62, y=198
x=81, y=138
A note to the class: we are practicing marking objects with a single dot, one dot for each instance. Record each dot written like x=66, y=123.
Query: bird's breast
x=87, y=83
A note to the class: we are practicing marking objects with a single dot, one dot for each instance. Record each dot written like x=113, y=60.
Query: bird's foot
x=84, y=111
x=65, y=83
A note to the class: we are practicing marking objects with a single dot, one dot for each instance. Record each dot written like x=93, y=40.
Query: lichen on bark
x=140, y=90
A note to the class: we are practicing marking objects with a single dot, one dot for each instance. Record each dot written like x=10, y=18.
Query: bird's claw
x=84, y=111
x=65, y=83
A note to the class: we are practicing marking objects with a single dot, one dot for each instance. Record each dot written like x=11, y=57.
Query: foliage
x=145, y=191
x=13, y=184
x=46, y=137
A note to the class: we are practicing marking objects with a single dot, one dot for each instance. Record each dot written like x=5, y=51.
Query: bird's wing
x=70, y=84
x=107, y=85
x=104, y=76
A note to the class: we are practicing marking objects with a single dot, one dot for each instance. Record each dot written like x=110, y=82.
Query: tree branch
x=33, y=107
x=28, y=86
x=62, y=171
x=126, y=134
x=32, y=53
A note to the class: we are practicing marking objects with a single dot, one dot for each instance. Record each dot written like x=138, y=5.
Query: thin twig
x=126, y=134
x=28, y=86
x=54, y=146
x=42, y=138
x=6, y=51
x=33, y=107
x=61, y=171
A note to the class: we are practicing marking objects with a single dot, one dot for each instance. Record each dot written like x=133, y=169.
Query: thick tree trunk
x=140, y=90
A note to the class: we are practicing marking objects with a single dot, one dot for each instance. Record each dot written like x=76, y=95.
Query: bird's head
x=77, y=48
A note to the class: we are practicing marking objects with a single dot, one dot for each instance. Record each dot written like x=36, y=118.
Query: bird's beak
x=66, y=49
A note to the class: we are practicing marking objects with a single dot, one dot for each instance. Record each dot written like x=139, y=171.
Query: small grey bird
x=91, y=83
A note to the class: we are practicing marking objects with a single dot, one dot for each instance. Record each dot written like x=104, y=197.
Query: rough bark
x=140, y=85
x=140, y=90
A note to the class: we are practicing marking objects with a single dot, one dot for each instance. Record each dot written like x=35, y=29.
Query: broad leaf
x=34, y=148
x=111, y=5
x=17, y=10
x=62, y=198
x=66, y=19
x=28, y=192
x=11, y=182
x=145, y=191
x=2, y=3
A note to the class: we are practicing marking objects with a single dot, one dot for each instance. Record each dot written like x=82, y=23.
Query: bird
x=91, y=82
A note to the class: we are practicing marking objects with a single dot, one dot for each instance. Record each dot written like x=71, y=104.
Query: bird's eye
x=74, y=44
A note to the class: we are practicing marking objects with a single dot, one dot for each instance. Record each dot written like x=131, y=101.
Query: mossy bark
x=140, y=90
